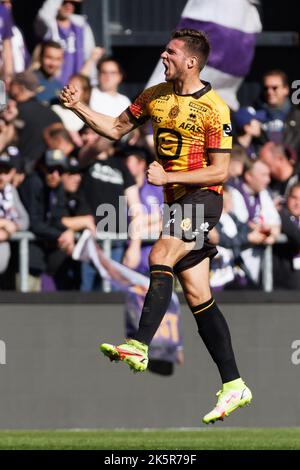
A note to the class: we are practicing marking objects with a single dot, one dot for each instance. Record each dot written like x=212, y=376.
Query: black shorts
x=190, y=219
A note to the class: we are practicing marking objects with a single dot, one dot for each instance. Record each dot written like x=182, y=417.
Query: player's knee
x=197, y=295
x=159, y=255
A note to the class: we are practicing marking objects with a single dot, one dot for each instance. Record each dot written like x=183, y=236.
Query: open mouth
x=166, y=67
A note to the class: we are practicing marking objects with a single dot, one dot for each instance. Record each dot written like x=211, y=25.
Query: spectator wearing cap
x=51, y=61
x=57, y=20
x=33, y=118
x=282, y=122
x=79, y=216
x=19, y=174
x=44, y=198
x=250, y=136
x=13, y=215
x=286, y=256
x=284, y=169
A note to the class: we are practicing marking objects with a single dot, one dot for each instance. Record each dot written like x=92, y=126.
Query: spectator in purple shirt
x=56, y=21
x=21, y=56
x=6, y=56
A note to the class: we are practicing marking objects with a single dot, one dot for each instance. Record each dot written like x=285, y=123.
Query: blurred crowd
x=55, y=172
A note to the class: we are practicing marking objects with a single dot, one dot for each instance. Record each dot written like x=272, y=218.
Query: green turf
x=247, y=438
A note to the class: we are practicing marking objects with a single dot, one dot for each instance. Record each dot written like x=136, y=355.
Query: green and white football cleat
x=134, y=353
x=232, y=396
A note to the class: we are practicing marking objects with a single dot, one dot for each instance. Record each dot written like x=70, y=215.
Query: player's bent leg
x=163, y=256
x=214, y=331
x=135, y=351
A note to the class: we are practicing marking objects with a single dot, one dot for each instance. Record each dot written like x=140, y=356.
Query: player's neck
x=188, y=86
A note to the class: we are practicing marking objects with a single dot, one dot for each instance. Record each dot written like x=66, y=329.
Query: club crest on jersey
x=227, y=130
x=174, y=111
x=186, y=224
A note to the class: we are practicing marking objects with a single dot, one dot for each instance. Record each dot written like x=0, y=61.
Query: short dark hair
x=249, y=165
x=294, y=186
x=105, y=59
x=277, y=73
x=196, y=43
x=60, y=132
x=47, y=44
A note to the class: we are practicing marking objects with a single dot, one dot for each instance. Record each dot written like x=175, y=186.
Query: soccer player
x=192, y=135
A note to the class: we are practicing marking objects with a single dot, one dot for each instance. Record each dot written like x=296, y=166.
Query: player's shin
x=215, y=334
x=156, y=302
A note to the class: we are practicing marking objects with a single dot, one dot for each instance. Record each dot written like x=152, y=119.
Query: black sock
x=215, y=334
x=156, y=302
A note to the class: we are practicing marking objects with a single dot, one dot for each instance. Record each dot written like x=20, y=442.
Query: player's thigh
x=195, y=283
x=169, y=251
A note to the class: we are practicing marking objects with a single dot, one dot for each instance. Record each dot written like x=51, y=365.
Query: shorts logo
x=186, y=224
x=204, y=227
x=171, y=220
x=174, y=111
x=227, y=130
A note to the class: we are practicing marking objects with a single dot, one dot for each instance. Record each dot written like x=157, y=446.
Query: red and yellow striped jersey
x=186, y=129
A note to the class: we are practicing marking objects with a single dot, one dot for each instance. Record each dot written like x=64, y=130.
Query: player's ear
x=192, y=62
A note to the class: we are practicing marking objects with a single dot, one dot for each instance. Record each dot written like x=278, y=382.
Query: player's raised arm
x=107, y=126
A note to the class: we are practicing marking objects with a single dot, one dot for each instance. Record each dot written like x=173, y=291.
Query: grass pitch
x=154, y=439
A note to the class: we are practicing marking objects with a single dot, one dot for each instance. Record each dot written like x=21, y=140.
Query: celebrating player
x=192, y=135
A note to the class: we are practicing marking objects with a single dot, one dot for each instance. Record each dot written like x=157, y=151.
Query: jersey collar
x=199, y=93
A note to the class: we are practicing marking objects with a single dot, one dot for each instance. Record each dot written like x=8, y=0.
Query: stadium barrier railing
x=24, y=238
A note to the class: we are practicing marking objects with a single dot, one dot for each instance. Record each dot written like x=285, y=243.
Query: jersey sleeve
x=139, y=109
x=219, y=130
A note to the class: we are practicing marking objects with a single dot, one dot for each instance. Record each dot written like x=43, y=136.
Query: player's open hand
x=156, y=174
x=69, y=96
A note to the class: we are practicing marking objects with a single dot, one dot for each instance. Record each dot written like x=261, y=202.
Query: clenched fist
x=156, y=174
x=69, y=96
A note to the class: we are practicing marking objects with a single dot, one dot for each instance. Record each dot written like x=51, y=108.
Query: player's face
x=52, y=60
x=293, y=202
x=174, y=59
x=275, y=91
